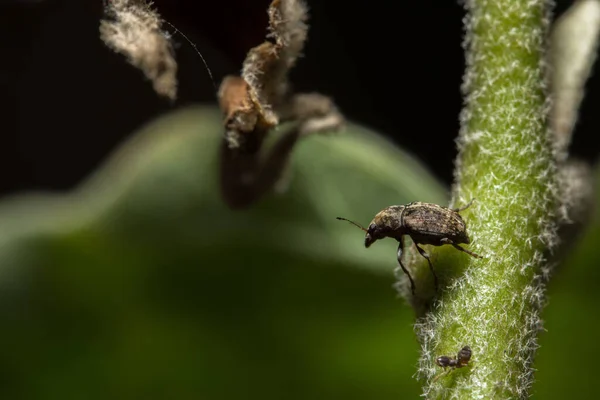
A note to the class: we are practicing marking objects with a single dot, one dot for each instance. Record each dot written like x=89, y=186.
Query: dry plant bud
x=133, y=29
x=262, y=95
x=259, y=100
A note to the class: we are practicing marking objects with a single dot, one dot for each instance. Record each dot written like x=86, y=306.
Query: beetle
x=424, y=223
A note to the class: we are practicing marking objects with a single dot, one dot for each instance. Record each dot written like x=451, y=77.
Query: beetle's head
x=373, y=234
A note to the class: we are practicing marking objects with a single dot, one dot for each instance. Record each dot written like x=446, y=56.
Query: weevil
x=424, y=223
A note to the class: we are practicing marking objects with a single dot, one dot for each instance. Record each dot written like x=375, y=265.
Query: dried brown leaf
x=266, y=67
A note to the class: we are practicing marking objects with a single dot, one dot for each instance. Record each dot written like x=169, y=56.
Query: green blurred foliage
x=142, y=284
x=567, y=359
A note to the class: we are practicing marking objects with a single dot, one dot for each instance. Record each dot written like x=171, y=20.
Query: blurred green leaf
x=142, y=284
x=567, y=359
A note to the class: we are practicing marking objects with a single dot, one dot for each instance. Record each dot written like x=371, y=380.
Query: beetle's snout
x=369, y=240
x=371, y=235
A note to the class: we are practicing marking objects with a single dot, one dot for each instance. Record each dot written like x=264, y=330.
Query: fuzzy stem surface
x=506, y=163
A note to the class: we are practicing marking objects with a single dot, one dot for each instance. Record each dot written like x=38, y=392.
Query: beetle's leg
x=424, y=254
x=457, y=247
x=466, y=251
x=445, y=372
x=400, y=248
x=464, y=207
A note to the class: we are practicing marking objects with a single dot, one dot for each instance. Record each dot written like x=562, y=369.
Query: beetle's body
x=424, y=223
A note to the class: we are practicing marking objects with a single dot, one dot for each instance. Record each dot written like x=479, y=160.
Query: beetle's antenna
x=197, y=51
x=465, y=206
x=352, y=222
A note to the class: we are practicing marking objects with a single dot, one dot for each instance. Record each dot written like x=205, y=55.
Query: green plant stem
x=506, y=163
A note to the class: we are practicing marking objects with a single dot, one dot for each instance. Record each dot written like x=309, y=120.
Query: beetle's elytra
x=424, y=223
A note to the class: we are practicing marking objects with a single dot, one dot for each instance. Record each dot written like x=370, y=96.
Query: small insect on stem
x=424, y=223
x=461, y=360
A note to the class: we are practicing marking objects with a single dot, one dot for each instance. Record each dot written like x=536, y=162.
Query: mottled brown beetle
x=424, y=223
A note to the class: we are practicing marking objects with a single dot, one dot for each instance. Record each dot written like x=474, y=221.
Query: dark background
x=68, y=100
